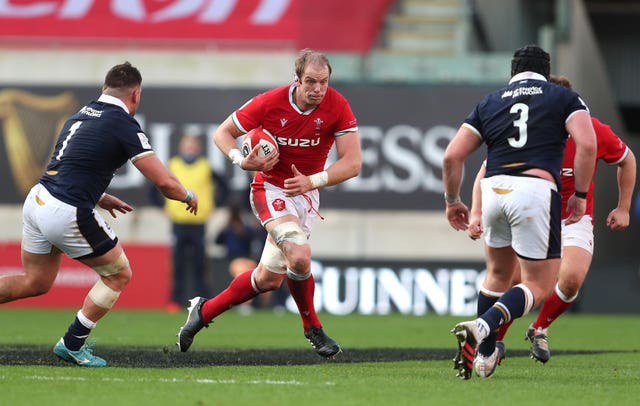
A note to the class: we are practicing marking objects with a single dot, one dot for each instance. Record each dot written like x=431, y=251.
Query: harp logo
x=30, y=127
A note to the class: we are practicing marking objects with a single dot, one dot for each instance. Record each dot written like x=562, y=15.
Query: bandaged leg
x=103, y=298
x=273, y=259
x=113, y=268
x=288, y=231
x=102, y=295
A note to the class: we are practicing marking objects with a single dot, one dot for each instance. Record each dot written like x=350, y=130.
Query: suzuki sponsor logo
x=298, y=142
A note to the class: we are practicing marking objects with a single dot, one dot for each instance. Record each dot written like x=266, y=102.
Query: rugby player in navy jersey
x=59, y=213
x=525, y=127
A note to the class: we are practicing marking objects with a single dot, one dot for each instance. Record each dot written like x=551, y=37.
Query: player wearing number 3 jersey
x=525, y=127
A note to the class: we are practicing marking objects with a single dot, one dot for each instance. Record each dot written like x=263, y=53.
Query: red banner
x=330, y=25
x=148, y=288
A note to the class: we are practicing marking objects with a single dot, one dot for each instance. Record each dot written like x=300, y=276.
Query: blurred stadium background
x=412, y=70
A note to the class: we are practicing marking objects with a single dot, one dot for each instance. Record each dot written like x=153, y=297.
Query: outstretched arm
x=166, y=182
x=618, y=219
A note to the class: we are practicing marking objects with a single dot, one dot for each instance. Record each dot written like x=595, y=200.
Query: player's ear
x=135, y=95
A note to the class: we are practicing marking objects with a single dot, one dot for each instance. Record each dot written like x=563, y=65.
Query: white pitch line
x=171, y=380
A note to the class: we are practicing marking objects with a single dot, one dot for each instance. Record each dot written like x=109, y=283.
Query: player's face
x=313, y=86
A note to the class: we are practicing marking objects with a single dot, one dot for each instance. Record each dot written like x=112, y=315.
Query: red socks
x=502, y=330
x=302, y=292
x=239, y=291
x=552, y=308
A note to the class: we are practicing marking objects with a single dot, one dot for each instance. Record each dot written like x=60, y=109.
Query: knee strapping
x=563, y=297
x=102, y=295
x=288, y=231
x=273, y=259
x=298, y=277
x=113, y=268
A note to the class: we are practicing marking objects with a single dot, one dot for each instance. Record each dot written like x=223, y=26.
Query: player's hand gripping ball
x=262, y=137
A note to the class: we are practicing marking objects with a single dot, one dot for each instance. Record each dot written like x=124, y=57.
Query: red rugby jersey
x=304, y=137
x=611, y=149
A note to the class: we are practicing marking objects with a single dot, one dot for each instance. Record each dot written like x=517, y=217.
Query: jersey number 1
x=72, y=130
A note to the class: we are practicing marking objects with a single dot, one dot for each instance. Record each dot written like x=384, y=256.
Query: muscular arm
x=162, y=178
x=225, y=139
x=618, y=219
x=581, y=130
x=460, y=147
x=349, y=159
x=345, y=167
x=225, y=136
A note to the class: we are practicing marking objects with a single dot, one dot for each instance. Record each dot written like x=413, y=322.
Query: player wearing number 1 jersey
x=525, y=126
x=59, y=213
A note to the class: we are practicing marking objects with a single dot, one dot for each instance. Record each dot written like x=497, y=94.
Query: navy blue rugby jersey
x=523, y=125
x=92, y=145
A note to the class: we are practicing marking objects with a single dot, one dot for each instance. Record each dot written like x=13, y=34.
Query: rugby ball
x=262, y=137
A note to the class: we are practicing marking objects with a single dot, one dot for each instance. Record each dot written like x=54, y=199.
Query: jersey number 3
x=521, y=123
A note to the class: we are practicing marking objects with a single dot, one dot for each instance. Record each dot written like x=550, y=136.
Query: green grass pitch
x=264, y=359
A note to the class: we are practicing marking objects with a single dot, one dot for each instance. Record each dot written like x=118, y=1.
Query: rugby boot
x=467, y=335
x=322, y=343
x=83, y=357
x=539, y=343
x=193, y=324
x=485, y=365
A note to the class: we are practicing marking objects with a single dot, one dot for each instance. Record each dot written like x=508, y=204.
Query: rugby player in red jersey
x=307, y=117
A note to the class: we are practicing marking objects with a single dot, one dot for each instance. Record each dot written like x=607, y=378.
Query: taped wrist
x=319, y=179
x=235, y=155
x=452, y=199
x=189, y=197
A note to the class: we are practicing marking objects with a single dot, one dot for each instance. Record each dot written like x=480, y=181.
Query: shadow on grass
x=157, y=357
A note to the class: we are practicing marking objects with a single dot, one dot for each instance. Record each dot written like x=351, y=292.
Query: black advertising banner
x=404, y=131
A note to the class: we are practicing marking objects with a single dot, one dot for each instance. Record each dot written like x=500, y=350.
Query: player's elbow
x=451, y=158
x=355, y=167
x=589, y=147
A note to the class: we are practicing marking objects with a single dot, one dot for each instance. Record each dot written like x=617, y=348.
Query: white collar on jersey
x=293, y=104
x=105, y=98
x=526, y=75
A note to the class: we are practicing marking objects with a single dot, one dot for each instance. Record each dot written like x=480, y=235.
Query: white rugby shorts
x=269, y=202
x=48, y=222
x=579, y=234
x=523, y=212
